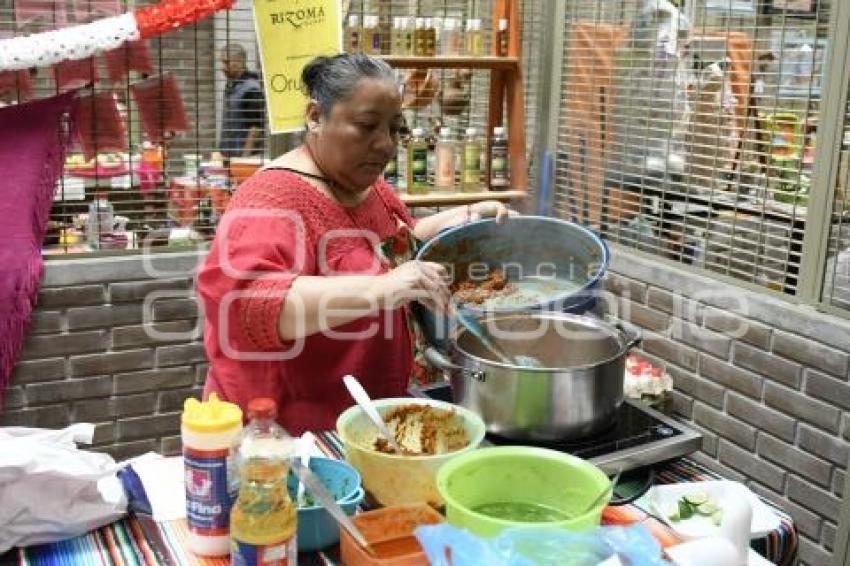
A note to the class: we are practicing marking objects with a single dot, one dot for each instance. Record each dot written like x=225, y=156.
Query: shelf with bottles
x=460, y=198
x=451, y=62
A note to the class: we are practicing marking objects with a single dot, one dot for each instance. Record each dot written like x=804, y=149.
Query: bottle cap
x=476, y=24
x=262, y=408
x=353, y=20
x=471, y=131
x=445, y=132
x=420, y=22
x=503, y=24
x=499, y=131
x=212, y=415
x=418, y=132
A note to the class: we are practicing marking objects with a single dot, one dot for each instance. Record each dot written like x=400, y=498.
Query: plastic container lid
x=212, y=415
x=262, y=408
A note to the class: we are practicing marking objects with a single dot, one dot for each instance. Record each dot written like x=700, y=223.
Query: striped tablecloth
x=139, y=541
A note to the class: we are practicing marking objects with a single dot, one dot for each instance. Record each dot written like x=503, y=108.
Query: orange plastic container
x=389, y=531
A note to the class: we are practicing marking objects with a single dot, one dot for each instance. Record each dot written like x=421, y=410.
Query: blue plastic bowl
x=316, y=528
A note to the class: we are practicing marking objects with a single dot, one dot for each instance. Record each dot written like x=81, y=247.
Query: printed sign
x=290, y=33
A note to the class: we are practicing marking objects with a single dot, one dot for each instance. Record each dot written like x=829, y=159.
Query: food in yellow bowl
x=422, y=429
x=430, y=432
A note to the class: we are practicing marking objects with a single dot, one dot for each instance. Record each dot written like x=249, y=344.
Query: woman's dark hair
x=329, y=80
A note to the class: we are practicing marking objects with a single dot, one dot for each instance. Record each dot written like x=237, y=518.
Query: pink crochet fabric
x=286, y=230
x=31, y=160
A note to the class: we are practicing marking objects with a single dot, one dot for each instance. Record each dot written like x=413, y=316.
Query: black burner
x=632, y=427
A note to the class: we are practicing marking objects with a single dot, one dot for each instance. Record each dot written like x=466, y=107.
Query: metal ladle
x=478, y=331
x=362, y=398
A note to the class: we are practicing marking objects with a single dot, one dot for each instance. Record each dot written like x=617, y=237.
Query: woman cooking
x=309, y=274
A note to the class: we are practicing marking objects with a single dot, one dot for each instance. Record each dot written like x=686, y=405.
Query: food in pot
x=478, y=291
x=423, y=430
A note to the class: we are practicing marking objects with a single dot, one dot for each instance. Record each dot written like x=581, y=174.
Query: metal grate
x=688, y=132
x=175, y=190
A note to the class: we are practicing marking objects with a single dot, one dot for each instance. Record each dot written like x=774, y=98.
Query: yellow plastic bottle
x=208, y=430
x=264, y=519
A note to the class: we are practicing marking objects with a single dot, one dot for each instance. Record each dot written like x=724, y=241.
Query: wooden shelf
x=451, y=62
x=452, y=199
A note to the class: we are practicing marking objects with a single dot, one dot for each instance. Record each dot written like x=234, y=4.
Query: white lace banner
x=76, y=42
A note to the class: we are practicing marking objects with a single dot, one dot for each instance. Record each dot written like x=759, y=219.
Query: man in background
x=243, y=118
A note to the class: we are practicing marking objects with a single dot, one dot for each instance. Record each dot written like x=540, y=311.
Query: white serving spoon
x=362, y=398
x=306, y=444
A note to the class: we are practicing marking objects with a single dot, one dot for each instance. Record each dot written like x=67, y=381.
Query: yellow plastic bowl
x=394, y=479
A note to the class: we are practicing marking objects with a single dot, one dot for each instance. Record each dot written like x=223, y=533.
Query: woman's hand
x=415, y=280
x=429, y=226
x=488, y=209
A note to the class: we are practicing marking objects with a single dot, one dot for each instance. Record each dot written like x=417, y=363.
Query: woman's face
x=354, y=142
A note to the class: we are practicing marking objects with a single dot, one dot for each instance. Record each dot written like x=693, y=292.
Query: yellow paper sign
x=290, y=33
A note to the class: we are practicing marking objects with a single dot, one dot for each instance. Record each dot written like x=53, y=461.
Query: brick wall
x=91, y=355
x=766, y=382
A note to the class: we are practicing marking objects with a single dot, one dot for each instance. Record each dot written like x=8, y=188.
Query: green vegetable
x=686, y=510
x=696, y=504
x=696, y=498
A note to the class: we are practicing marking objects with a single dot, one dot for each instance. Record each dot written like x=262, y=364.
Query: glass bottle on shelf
x=407, y=35
x=444, y=161
x=502, y=38
x=430, y=38
x=419, y=38
x=499, y=176
x=352, y=34
x=402, y=163
x=417, y=163
x=450, y=39
x=470, y=171
x=397, y=37
x=391, y=170
x=473, y=37
x=371, y=35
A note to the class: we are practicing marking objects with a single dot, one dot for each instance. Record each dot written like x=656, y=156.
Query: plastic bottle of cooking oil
x=264, y=519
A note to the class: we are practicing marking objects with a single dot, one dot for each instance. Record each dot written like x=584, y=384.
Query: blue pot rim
x=591, y=283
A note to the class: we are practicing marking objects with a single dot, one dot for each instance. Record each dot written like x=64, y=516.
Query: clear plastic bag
x=446, y=545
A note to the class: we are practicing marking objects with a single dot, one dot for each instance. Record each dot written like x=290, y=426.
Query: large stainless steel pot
x=576, y=393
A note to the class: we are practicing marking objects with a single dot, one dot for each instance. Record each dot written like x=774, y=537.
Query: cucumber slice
x=696, y=498
x=686, y=511
x=674, y=516
x=708, y=508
